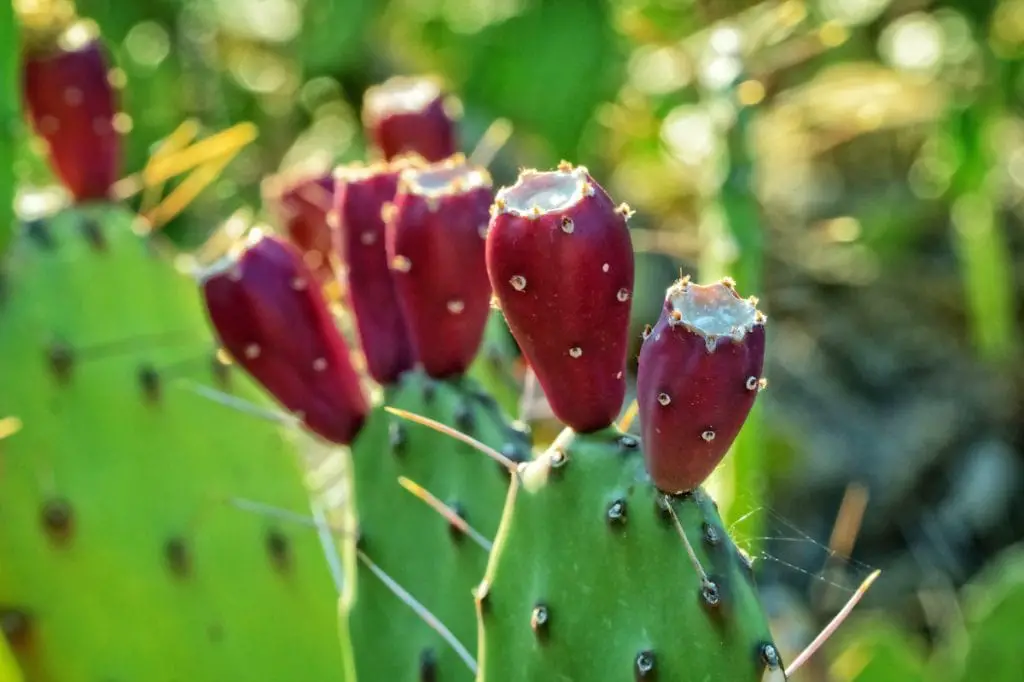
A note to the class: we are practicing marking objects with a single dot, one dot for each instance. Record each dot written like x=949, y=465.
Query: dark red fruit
x=302, y=205
x=560, y=261
x=272, y=318
x=700, y=371
x=72, y=104
x=363, y=195
x=410, y=114
x=435, y=242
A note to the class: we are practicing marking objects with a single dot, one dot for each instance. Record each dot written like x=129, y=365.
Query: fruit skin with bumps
x=563, y=274
x=271, y=317
x=72, y=104
x=699, y=375
x=436, y=247
x=362, y=197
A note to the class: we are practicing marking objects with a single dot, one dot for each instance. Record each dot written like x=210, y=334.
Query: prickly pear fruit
x=589, y=578
x=115, y=522
x=301, y=206
x=410, y=114
x=435, y=240
x=560, y=261
x=273, y=319
x=361, y=197
x=72, y=104
x=700, y=371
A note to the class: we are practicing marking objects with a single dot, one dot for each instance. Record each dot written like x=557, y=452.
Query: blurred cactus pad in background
x=307, y=374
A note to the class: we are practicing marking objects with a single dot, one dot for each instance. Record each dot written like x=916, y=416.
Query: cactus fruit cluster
x=409, y=236
x=601, y=558
x=120, y=556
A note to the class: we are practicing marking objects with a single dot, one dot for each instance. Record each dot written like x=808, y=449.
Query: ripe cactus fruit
x=700, y=371
x=642, y=609
x=301, y=205
x=362, y=196
x=560, y=262
x=120, y=558
x=410, y=114
x=421, y=550
x=72, y=104
x=273, y=319
x=435, y=241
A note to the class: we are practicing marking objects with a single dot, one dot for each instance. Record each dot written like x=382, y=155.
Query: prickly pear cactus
x=612, y=564
x=120, y=555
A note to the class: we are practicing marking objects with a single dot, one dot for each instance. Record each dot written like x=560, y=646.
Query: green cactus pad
x=414, y=545
x=589, y=579
x=120, y=557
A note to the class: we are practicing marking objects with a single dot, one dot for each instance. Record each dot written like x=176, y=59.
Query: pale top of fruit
x=538, y=192
x=400, y=95
x=452, y=176
x=713, y=311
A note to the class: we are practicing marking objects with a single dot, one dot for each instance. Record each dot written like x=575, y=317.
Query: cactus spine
x=666, y=595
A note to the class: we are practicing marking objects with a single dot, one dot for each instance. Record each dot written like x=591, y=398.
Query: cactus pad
x=589, y=578
x=437, y=564
x=120, y=557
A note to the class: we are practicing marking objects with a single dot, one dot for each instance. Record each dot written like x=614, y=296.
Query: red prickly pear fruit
x=560, y=261
x=363, y=195
x=301, y=206
x=272, y=319
x=411, y=114
x=700, y=371
x=435, y=243
x=71, y=105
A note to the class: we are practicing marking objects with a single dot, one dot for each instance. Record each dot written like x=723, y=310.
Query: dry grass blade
x=833, y=625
